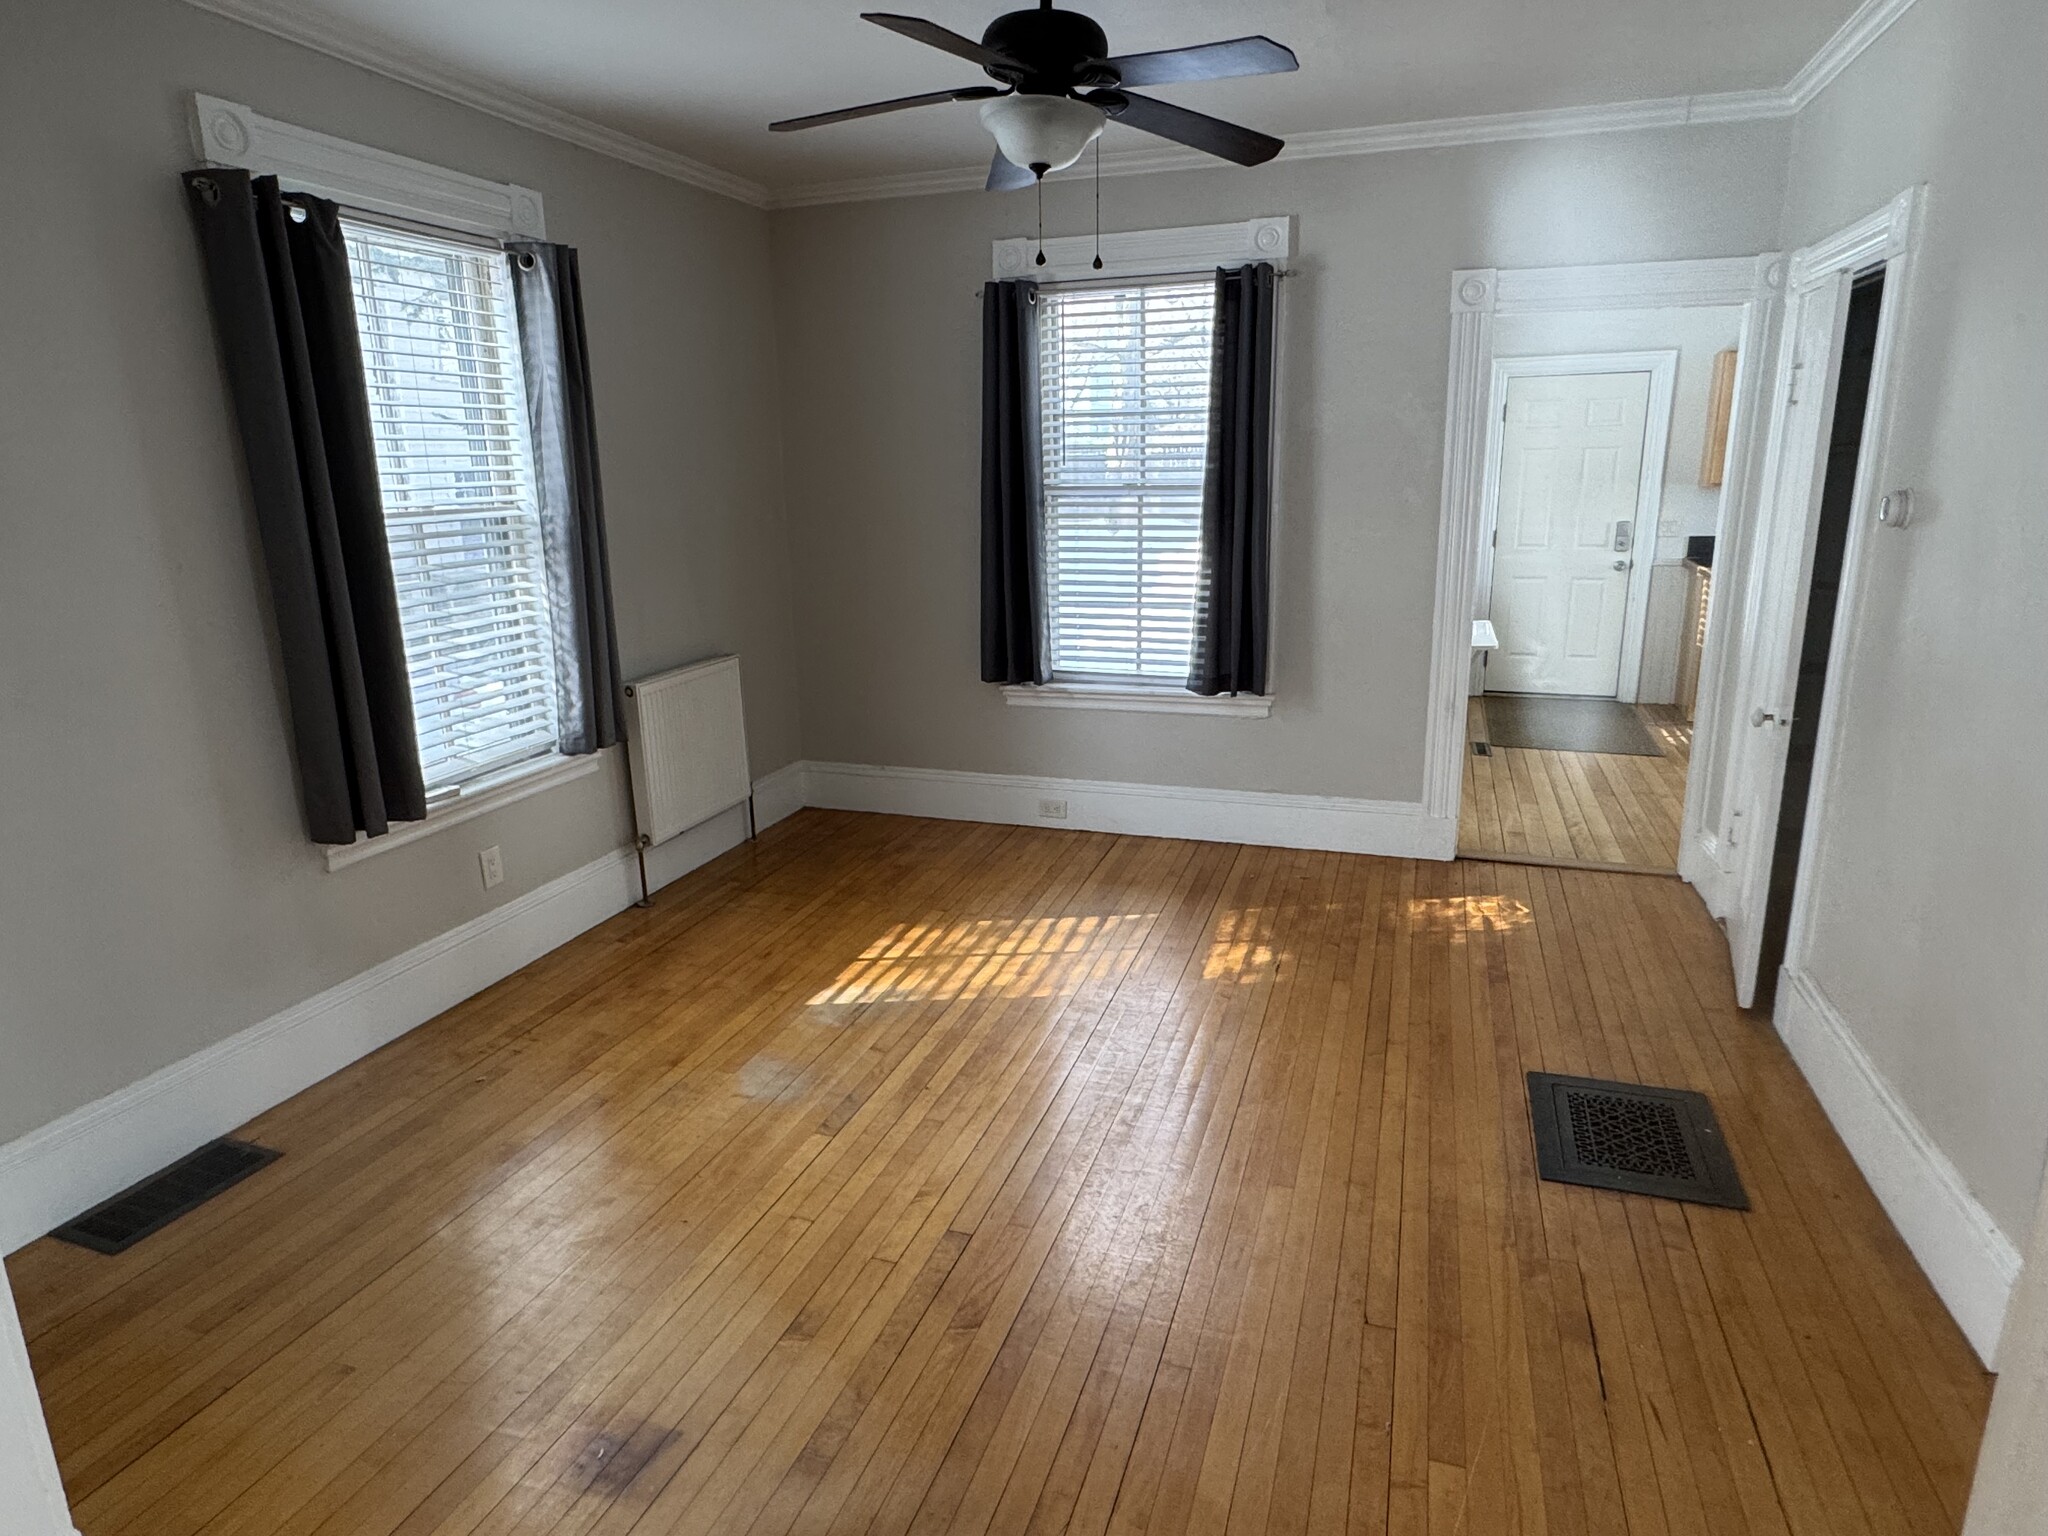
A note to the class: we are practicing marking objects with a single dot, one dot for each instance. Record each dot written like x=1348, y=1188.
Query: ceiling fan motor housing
x=1056, y=51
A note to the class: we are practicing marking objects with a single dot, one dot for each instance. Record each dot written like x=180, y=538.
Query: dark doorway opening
x=1838, y=490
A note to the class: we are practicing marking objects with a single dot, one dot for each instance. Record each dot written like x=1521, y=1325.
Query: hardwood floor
x=896, y=1175
x=1578, y=807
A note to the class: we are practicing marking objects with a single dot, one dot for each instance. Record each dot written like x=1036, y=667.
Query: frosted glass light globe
x=1041, y=133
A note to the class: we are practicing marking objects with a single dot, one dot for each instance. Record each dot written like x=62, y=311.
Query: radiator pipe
x=640, y=852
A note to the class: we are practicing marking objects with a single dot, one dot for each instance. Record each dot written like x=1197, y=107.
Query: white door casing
x=1770, y=629
x=31, y=1495
x=1571, y=467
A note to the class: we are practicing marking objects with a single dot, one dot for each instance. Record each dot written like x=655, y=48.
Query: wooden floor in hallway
x=896, y=1175
x=1578, y=807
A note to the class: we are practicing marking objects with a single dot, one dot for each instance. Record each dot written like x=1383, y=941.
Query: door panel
x=1779, y=578
x=1571, y=466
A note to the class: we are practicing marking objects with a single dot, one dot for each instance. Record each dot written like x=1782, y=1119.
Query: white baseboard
x=780, y=794
x=1400, y=829
x=70, y=1165
x=1972, y=1265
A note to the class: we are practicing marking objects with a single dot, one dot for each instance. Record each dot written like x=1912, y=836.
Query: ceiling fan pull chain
x=1098, y=202
x=1040, y=185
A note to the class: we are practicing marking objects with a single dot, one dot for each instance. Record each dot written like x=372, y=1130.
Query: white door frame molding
x=28, y=1467
x=1662, y=367
x=1477, y=296
x=1766, y=655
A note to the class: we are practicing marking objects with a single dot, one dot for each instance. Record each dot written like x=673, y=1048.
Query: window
x=448, y=413
x=1124, y=424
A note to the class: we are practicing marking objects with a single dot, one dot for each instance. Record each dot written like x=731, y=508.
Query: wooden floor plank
x=904, y=1176
x=1578, y=808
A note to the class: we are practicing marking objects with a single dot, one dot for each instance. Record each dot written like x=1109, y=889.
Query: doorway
x=1573, y=760
x=1816, y=644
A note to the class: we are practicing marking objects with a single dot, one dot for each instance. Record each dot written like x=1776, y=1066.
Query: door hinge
x=1792, y=388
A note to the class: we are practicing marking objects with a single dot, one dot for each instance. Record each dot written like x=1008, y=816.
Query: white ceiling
x=703, y=79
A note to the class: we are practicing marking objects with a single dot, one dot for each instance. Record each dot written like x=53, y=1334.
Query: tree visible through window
x=455, y=463
x=1124, y=422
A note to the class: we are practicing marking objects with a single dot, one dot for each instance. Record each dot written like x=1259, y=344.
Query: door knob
x=1621, y=565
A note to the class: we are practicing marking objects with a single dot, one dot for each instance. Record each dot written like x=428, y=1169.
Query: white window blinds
x=448, y=412
x=1124, y=422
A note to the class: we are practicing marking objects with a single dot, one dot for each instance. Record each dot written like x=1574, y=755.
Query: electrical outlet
x=492, y=862
x=1053, y=810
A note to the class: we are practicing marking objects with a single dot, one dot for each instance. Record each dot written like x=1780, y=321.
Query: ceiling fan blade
x=933, y=35
x=875, y=108
x=1003, y=176
x=1245, y=146
x=1207, y=61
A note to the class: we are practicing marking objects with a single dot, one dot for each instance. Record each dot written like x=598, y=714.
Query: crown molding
x=1870, y=22
x=1325, y=144
x=353, y=47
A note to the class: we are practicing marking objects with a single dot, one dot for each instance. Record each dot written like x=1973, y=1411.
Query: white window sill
x=1137, y=700
x=484, y=795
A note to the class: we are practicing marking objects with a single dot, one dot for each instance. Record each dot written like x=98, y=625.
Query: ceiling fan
x=1059, y=84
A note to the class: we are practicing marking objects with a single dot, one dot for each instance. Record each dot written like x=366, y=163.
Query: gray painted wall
x=157, y=892
x=1932, y=937
x=880, y=334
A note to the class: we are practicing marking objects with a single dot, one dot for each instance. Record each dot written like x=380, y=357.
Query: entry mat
x=1637, y=1139
x=1547, y=723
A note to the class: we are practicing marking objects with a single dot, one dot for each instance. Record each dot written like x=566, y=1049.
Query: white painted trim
x=1477, y=295
x=375, y=180
x=1971, y=1264
x=1871, y=21
x=1703, y=852
x=1662, y=367
x=1146, y=252
x=779, y=795
x=1713, y=283
x=339, y=40
x=1764, y=651
x=1152, y=701
x=34, y=1492
x=73, y=1163
x=1331, y=143
x=1892, y=235
x=1397, y=829
x=484, y=796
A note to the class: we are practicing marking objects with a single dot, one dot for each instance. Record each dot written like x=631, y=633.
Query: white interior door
x=1780, y=573
x=1571, y=466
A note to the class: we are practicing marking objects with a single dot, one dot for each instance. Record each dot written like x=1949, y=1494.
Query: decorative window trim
x=1147, y=252
x=1128, y=256
x=225, y=133
x=1135, y=698
x=476, y=798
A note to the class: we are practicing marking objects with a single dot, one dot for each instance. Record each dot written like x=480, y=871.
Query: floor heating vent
x=1624, y=1136
x=119, y=1224
x=1482, y=749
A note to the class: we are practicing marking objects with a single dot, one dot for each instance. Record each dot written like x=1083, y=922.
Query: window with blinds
x=447, y=408
x=1124, y=422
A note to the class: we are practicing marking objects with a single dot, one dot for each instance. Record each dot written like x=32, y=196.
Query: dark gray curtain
x=1233, y=597
x=1012, y=555
x=549, y=287
x=277, y=275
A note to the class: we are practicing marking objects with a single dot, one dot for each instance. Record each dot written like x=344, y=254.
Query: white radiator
x=686, y=742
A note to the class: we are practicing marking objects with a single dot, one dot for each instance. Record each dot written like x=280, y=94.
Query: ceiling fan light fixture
x=1041, y=133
